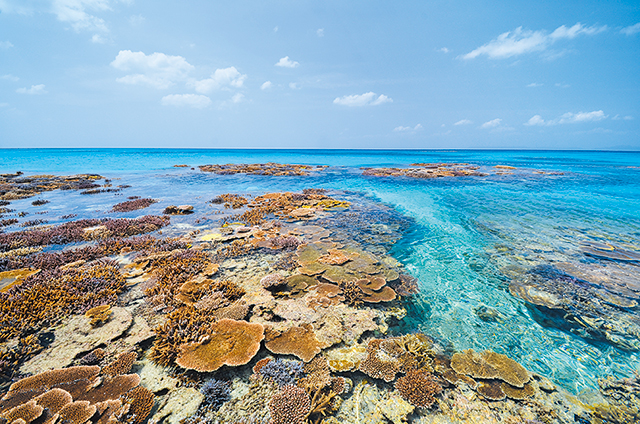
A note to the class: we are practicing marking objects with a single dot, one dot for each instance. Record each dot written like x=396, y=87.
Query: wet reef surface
x=276, y=306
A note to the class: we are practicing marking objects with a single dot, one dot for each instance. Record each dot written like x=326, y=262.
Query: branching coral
x=122, y=365
x=216, y=392
x=99, y=315
x=138, y=403
x=281, y=372
x=290, y=406
x=419, y=388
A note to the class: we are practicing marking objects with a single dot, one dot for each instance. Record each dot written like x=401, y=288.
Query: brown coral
x=139, y=403
x=491, y=390
x=28, y=412
x=334, y=257
x=318, y=375
x=299, y=341
x=54, y=400
x=290, y=406
x=490, y=365
x=230, y=342
x=99, y=315
x=77, y=412
x=378, y=363
x=120, y=366
x=419, y=388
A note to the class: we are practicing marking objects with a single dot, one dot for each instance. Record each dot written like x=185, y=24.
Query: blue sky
x=320, y=74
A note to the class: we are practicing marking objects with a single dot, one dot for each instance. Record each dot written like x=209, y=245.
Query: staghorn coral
x=133, y=205
x=353, y=294
x=120, y=366
x=216, y=392
x=299, y=341
x=290, y=406
x=281, y=372
x=48, y=296
x=229, y=342
x=419, y=388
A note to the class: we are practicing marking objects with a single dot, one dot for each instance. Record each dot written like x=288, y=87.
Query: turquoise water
x=472, y=236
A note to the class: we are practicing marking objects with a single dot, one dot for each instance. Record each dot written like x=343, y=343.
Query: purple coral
x=216, y=392
x=286, y=242
x=282, y=372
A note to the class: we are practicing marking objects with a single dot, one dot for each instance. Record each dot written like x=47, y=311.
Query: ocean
x=504, y=262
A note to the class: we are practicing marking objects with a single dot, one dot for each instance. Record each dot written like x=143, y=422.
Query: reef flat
x=281, y=306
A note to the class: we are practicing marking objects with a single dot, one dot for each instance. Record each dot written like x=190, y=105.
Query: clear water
x=469, y=231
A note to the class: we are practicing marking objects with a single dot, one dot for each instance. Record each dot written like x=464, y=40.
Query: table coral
x=299, y=341
x=490, y=365
x=229, y=342
x=138, y=403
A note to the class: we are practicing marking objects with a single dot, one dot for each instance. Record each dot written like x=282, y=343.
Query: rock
x=155, y=377
x=178, y=210
x=75, y=337
x=179, y=404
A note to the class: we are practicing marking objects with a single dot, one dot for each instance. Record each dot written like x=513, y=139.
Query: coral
x=299, y=341
x=216, y=392
x=120, y=366
x=346, y=358
x=281, y=372
x=352, y=293
x=517, y=393
x=261, y=363
x=491, y=390
x=270, y=168
x=335, y=257
x=77, y=412
x=178, y=210
x=382, y=359
x=229, y=342
x=9, y=279
x=99, y=315
x=54, y=400
x=93, y=357
x=27, y=412
x=285, y=242
x=133, y=205
x=272, y=280
x=17, y=186
x=318, y=375
x=138, y=404
x=48, y=296
x=419, y=388
x=375, y=291
x=233, y=201
x=34, y=222
x=290, y=406
x=490, y=365
x=427, y=170
x=39, y=202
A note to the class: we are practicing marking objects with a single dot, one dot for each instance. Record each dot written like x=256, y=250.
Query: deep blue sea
x=472, y=236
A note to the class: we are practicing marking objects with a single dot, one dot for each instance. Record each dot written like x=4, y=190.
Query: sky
x=320, y=74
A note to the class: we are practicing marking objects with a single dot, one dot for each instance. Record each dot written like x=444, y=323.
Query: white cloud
x=535, y=120
x=631, y=30
x=237, y=98
x=491, y=124
x=571, y=118
x=196, y=101
x=275, y=29
x=75, y=12
x=157, y=70
x=562, y=85
x=463, y=122
x=444, y=50
x=535, y=84
x=266, y=85
x=35, y=89
x=220, y=79
x=404, y=129
x=294, y=86
x=5, y=45
x=519, y=41
x=568, y=118
x=366, y=99
x=9, y=77
x=320, y=32
x=285, y=62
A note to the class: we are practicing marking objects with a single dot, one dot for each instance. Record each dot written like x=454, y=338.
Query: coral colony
x=288, y=310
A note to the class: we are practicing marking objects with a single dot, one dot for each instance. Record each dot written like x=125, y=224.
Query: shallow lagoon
x=466, y=239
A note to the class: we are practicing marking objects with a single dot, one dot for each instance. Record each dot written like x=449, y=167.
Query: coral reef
x=419, y=388
x=133, y=205
x=16, y=186
x=289, y=406
x=270, y=168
